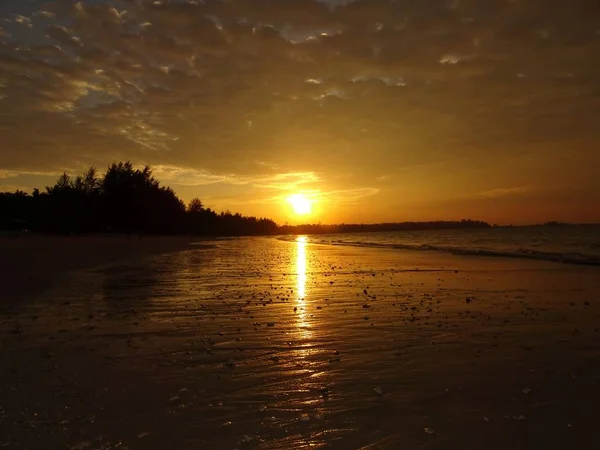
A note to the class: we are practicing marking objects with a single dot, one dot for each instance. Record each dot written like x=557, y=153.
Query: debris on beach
x=519, y=417
x=286, y=372
x=230, y=363
x=246, y=439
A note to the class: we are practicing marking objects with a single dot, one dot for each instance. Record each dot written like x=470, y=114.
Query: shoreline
x=576, y=259
x=33, y=264
x=259, y=343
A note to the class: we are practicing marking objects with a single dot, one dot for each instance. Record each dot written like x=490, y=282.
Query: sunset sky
x=374, y=110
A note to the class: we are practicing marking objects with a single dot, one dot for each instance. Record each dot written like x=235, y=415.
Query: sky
x=374, y=110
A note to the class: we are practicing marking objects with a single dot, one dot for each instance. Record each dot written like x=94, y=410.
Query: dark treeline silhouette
x=374, y=227
x=123, y=200
x=130, y=200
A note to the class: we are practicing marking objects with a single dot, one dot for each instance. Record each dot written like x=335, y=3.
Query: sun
x=300, y=204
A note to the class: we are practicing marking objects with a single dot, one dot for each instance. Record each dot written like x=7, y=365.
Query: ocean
x=572, y=244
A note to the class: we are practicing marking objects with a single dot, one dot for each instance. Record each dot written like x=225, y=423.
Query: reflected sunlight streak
x=302, y=323
x=301, y=267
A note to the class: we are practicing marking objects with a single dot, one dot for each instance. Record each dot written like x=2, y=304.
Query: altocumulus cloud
x=203, y=89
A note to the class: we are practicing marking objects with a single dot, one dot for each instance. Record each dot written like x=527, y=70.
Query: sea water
x=575, y=244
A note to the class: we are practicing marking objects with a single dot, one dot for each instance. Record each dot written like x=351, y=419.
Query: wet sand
x=258, y=343
x=31, y=263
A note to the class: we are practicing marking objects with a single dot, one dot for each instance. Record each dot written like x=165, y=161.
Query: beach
x=31, y=263
x=264, y=343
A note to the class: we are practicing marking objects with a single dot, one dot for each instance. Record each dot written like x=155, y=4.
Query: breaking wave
x=577, y=249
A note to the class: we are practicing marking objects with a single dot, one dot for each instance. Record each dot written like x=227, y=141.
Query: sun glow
x=300, y=204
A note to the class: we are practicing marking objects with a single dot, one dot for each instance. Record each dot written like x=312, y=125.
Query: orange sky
x=375, y=110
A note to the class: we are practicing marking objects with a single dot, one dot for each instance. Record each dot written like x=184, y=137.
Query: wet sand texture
x=259, y=343
x=30, y=264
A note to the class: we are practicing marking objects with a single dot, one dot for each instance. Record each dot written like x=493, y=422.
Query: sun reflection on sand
x=301, y=266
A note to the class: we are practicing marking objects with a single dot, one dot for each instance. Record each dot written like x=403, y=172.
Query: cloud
x=504, y=192
x=191, y=177
x=13, y=188
x=15, y=174
x=204, y=90
x=7, y=174
x=334, y=196
x=286, y=181
x=342, y=196
x=186, y=176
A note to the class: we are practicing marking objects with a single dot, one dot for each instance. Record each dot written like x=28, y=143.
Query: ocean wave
x=523, y=253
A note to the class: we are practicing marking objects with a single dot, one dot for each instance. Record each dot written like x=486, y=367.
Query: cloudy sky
x=376, y=110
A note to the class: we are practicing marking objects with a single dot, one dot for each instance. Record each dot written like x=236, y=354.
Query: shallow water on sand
x=258, y=343
x=571, y=244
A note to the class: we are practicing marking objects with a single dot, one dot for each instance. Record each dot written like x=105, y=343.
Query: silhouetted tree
x=133, y=201
x=195, y=206
x=399, y=226
x=130, y=200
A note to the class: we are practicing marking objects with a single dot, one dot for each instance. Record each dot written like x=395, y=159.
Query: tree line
x=376, y=227
x=130, y=200
x=123, y=200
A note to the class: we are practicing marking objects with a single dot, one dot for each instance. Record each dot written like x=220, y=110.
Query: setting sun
x=300, y=204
